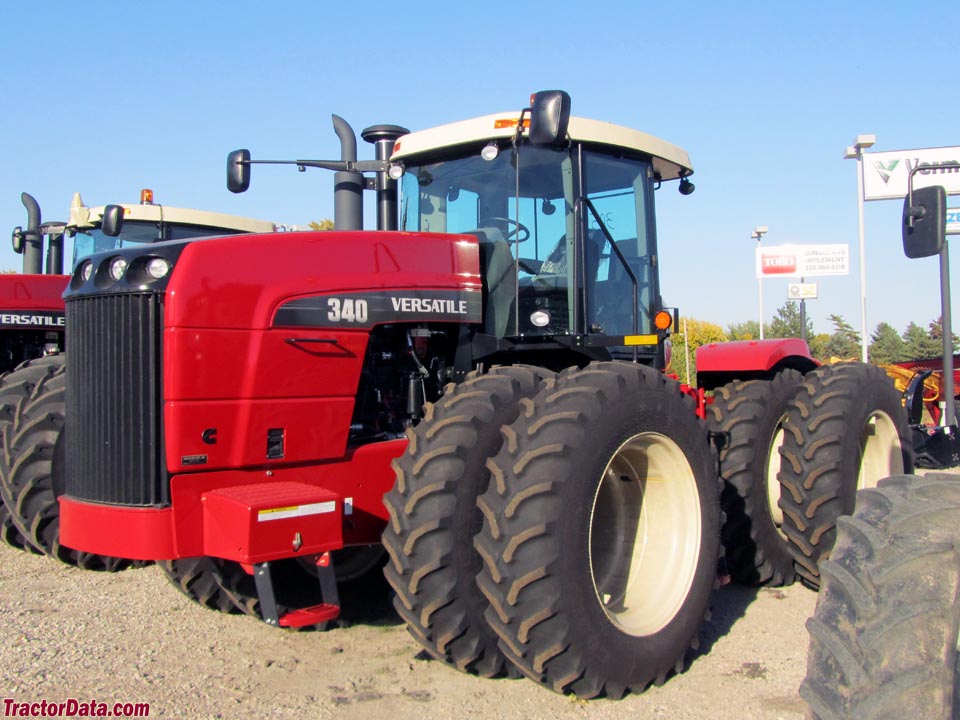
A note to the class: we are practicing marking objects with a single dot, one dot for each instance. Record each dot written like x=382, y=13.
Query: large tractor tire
x=601, y=531
x=434, y=517
x=883, y=639
x=32, y=462
x=750, y=415
x=845, y=430
x=14, y=386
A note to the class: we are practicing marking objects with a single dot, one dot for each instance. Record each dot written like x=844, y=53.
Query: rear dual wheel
x=750, y=414
x=845, y=430
x=601, y=531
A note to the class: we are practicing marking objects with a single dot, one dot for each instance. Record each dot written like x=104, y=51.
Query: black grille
x=114, y=403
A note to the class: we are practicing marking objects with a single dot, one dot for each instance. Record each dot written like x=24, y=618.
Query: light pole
x=855, y=152
x=757, y=234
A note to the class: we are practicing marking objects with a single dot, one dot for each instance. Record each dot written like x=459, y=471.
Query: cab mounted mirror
x=17, y=240
x=924, y=221
x=238, y=171
x=112, y=221
x=549, y=117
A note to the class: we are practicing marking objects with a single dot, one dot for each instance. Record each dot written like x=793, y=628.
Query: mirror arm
x=338, y=165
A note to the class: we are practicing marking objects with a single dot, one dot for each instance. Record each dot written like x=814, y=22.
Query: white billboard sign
x=802, y=260
x=885, y=173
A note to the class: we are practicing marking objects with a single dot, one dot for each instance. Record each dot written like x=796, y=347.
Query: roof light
x=490, y=151
x=395, y=172
x=540, y=318
x=146, y=196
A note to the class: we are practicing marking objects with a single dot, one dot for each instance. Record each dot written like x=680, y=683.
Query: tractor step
x=298, y=617
x=309, y=616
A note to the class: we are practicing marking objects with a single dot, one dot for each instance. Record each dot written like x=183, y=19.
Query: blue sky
x=106, y=98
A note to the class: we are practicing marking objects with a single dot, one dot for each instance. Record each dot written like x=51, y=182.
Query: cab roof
x=82, y=217
x=670, y=161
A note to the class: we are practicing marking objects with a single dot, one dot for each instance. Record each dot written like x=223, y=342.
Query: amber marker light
x=663, y=320
x=146, y=196
x=509, y=123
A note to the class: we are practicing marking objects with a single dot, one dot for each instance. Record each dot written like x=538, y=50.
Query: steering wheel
x=513, y=230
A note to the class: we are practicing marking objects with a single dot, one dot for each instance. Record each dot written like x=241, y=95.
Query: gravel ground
x=131, y=637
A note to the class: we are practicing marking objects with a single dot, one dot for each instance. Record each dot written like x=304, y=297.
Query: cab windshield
x=545, y=219
x=139, y=232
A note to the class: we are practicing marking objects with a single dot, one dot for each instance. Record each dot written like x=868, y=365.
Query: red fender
x=720, y=363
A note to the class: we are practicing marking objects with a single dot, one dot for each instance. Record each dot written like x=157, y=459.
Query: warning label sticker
x=297, y=511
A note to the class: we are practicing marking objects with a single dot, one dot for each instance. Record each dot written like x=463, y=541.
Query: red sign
x=778, y=264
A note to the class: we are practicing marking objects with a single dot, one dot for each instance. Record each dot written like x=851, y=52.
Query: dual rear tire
x=795, y=451
x=596, y=515
x=846, y=430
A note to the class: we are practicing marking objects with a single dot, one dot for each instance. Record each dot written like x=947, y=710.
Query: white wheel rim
x=645, y=534
x=773, y=484
x=880, y=451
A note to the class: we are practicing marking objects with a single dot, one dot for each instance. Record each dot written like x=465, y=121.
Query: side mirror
x=17, y=240
x=238, y=171
x=924, y=222
x=549, y=117
x=112, y=221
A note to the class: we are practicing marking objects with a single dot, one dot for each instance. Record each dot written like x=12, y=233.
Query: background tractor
x=479, y=384
x=32, y=326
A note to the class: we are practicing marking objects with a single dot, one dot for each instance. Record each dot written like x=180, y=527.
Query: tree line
x=886, y=344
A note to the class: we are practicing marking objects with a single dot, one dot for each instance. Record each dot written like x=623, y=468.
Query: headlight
x=540, y=318
x=117, y=268
x=158, y=268
x=87, y=271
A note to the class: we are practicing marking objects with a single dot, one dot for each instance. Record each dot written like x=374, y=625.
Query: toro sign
x=802, y=260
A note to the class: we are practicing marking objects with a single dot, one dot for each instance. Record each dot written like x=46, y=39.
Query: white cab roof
x=85, y=217
x=668, y=160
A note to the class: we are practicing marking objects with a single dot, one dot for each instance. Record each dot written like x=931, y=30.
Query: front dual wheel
x=601, y=531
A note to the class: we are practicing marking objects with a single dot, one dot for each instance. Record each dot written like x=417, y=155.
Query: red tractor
x=479, y=384
x=32, y=326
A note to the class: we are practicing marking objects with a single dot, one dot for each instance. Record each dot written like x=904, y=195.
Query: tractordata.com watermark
x=74, y=708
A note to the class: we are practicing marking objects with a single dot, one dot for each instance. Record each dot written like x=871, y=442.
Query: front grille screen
x=114, y=400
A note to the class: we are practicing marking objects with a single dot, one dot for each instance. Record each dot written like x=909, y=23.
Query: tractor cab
x=566, y=225
x=112, y=227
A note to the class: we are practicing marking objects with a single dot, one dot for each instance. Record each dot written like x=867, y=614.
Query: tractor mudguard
x=720, y=363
